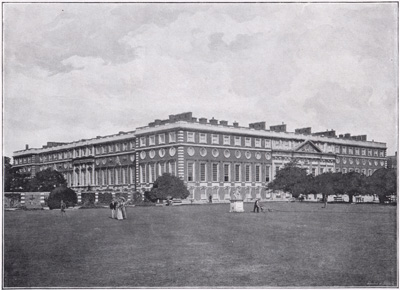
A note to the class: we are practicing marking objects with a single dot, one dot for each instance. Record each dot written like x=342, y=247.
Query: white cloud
x=97, y=69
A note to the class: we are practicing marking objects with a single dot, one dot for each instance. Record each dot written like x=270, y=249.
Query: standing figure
x=113, y=207
x=256, y=206
x=119, y=210
x=124, y=216
x=210, y=198
x=63, y=206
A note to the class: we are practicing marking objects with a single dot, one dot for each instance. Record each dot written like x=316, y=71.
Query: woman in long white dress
x=123, y=208
x=119, y=210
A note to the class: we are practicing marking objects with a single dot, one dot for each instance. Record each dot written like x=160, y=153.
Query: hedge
x=12, y=200
x=88, y=198
x=105, y=197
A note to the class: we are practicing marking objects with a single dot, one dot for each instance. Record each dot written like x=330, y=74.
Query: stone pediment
x=309, y=147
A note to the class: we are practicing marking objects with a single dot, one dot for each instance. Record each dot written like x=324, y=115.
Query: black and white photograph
x=200, y=145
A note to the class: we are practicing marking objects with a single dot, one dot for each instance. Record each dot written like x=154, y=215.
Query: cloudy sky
x=74, y=71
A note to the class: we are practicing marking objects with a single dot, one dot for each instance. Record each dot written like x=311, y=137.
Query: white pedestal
x=236, y=205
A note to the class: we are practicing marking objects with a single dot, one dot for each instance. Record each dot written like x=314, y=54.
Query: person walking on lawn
x=256, y=206
x=63, y=206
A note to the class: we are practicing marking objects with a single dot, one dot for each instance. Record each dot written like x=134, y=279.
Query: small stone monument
x=236, y=203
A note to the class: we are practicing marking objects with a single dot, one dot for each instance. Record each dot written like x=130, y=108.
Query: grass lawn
x=296, y=244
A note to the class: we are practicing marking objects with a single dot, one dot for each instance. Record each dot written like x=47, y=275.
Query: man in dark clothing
x=113, y=206
x=256, y=206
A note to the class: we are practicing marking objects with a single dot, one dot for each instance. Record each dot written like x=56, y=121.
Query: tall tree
x=293, y=179
x=7, y=177
x=14, y=180
x=327, y=184
x=47, y=180
x=168, y=186
x=354, y=183
x=383, y=183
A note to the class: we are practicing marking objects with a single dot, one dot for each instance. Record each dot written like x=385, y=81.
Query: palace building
x=211, y=156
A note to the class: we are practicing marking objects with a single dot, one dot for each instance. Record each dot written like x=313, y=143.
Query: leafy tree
x=292, y=179
x=327, y=183
x=168, y=186
x=383, y=183
x=7, y=173
x=61, y=193
x=13, y=179
x=354, y=183
x=47, y=180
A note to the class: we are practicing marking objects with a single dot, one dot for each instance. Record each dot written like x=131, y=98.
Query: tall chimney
x=26, y=146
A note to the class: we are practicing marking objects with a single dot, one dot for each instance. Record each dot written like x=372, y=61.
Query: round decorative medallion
x=104, y=161
x=268, y=156
x=357, y=161
x=215, y=152
x=143, y=155
x=258, y=155
x=227, y=153
x=172, y=151
x=382, y=162
x=351, y=160
x=203, y=151
x=152, y=153
x=247, y=154
x=161, y=152
x=364, y=161
x=238, y=154
x=66, y=165
x=132, y=158
x=190, y=151
x=344, y=160
x=376, y=162
x=369, y=162
x=337, y=160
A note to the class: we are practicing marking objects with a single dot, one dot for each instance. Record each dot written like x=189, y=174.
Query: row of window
x=150, y=172
x=205, y=138
x=110, y=176
x=364, y=171
x=115, y=147
x=161, y=139
x=357, y=161
x=226, y=172
x=359, y=151
x=79, y=152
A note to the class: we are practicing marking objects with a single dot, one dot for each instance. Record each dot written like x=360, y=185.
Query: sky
x=75, y=71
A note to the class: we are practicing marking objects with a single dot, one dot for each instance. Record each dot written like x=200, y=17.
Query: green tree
x=383, y=183
x=47, y=180
x=61, y=193
x=327, y=183
x=292, y=179
x=168, y=186
x=14, y=180
x=354, y=183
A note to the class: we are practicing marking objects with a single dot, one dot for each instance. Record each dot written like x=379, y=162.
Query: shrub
x=167, y=186
x=88, y=198
x=105, y=197
x=61, y=193
x=12, y=200
x=137, y=197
